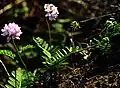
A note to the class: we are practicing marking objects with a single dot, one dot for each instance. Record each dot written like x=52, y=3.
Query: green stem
x=49, y=30
x=72, y=40
x=4, y=67
x=18, y=52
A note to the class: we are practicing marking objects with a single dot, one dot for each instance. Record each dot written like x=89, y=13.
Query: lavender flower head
x=52, y=11
x=11, y=30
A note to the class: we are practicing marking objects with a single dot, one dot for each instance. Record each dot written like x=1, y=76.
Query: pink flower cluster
x=11, y=30
x=52, y=11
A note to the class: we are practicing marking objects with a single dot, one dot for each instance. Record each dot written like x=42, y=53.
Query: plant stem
x=18, y=52
x=72, y=40
x=19, y=57
x=49, y=30
x=4, y=67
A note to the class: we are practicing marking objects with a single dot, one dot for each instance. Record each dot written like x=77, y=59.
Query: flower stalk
x=49, y=31
x=4, y=67
x=18, y=52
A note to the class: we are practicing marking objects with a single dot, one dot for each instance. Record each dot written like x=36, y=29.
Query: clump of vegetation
x=59, y=60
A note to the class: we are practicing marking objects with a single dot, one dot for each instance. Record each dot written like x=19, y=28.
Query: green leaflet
x=54, y=56
x=7, y=53
x=22, y=79
x=15, y=81
x=24, y=48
